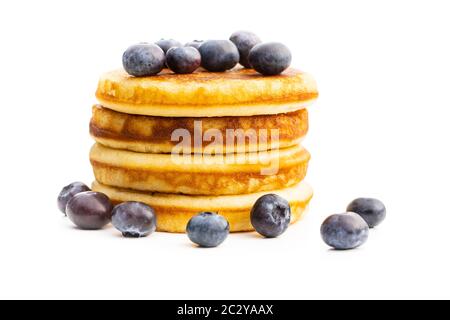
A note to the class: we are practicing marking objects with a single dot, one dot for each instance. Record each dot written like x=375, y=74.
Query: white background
x=380, y=129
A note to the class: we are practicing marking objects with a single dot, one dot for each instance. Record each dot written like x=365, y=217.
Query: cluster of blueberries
x=270, y=216
x=244, y=47
x=351, y=229
x=89, y=210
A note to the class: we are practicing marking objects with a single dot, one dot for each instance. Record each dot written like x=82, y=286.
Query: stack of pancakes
x=141, y=153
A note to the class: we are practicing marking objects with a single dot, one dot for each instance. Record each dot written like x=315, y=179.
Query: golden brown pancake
x=200, y=174
x=238, y=92
x=174, y=211
x=153, y=134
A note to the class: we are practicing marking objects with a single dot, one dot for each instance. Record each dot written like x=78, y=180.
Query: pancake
x=239, y=92
x=174, y=211
x=197, y=174
x=153, y=134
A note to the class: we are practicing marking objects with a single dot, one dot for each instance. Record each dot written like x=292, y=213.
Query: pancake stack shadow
x=216, y=142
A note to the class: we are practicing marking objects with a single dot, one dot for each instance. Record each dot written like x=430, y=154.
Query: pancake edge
x=173, y=216
x=234, y=110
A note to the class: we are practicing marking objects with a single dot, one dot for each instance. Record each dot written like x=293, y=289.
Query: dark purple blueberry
x=166, y=44
x=244, y=41
x=195, y=43
x=68, y=192
x=90, y=210
x=219, y=55
x=183, y=59
x=371, y=210
x=134, y=219
x=344, y=231
x=208, y=229
x=271, y=215
x=143, y=60
x=270, y=58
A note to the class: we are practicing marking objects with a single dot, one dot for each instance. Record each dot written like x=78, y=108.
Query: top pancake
x=239, y=92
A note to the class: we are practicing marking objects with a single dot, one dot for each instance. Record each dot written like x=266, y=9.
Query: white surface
x=380, y=128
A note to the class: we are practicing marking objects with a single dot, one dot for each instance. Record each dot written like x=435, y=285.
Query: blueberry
x=68, y=192
x=183, y=59
x=270, y=58
x=142, y=60
x=166, y=44
x=90, y=210
x=208, y=229
x=219, y=55
x=271, y=215
x=134, y=219
x=244, y=41
x=195, y=43
x=344, y=231
x=371, y=210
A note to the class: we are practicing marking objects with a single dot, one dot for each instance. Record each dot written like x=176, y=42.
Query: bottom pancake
x=174, y=211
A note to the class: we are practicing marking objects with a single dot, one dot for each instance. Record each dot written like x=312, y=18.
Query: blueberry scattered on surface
x=208, y=229
x=134, y=219
x=90, y=210
x=166, y=44
x=219, y=55
x=371, y=210
x=244, y=41
x=270, y=58
x=344, y=231
x=183, y=59
x=142, y=60
x=195, y=43
x=271, y=215
x=68, y=192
